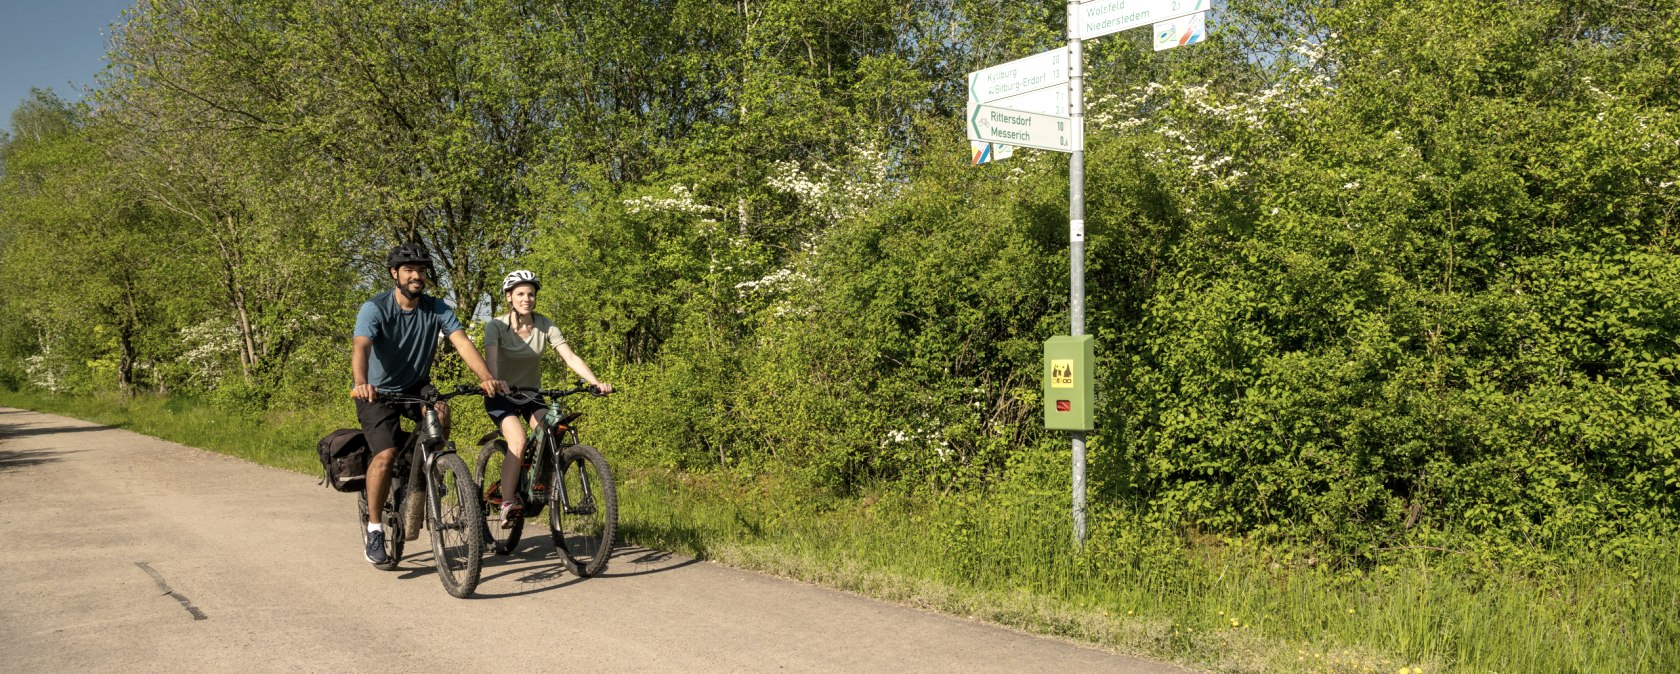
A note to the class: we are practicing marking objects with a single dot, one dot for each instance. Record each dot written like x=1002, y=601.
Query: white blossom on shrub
x=680, y=201
x=834, y=192
x=40, y=373
x=210, y=346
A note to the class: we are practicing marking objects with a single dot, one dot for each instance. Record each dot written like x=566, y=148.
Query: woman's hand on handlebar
x=493, y=386
x=364, y=392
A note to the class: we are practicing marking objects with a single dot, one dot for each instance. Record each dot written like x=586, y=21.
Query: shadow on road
x=8, y=431
x=24, y=458
x=639, y=556
x=533, y=574
x=537, y=566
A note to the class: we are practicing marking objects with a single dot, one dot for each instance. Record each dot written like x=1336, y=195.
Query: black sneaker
x=376, y=547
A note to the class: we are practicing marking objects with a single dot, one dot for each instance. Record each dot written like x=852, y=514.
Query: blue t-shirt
x=403, y=341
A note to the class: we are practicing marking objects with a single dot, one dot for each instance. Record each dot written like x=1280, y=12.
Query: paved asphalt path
x=120, y=552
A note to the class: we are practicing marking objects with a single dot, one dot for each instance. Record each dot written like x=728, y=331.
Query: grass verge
x=1004, y=558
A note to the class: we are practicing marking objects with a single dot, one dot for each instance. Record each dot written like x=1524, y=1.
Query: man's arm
x=469, y=353
x=491, y=355
x=360, y=347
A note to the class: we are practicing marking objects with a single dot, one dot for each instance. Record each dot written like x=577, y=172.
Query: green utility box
x=1068, y=391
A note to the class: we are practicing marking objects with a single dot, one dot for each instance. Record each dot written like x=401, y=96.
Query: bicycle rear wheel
x=457, y=524
x=393, y=528
x=501, y=541
x=583, y=510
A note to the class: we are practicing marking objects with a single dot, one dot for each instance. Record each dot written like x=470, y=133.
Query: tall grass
x=1005, y=556
x=1010, y=561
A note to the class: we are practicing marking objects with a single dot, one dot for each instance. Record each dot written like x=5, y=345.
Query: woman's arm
x=580, y=367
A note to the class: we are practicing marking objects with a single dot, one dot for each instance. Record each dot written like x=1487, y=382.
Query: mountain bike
x=572, y=480
x=451, y=509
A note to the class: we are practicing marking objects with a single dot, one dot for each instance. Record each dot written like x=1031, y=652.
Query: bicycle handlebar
x=530, y=394
x=431, y=395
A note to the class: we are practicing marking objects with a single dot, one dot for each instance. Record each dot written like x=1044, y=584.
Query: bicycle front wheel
x=583, y=510
x=457, y=524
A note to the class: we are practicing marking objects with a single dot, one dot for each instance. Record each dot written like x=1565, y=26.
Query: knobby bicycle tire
x=583, y=527
x=501, y=541
x=457, y=524
x=393, y=527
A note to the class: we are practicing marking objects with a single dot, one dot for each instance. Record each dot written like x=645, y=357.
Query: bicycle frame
x=427, y=441
x=543, y=444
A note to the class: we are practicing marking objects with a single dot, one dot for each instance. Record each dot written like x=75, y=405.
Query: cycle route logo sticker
x=1061, y=373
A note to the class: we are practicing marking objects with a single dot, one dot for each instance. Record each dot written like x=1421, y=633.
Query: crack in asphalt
x=164, y=588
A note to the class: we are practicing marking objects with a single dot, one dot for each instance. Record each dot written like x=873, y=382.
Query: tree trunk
x=247, y=359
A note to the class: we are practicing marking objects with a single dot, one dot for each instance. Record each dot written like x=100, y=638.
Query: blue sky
x=56, y=44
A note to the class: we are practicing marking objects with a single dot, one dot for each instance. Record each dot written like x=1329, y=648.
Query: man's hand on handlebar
x=364, y=392
x=603, y=388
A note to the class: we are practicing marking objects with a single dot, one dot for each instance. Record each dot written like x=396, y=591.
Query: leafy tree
x=85, y=261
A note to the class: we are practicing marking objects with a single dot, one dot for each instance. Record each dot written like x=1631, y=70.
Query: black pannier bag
x=344, y=458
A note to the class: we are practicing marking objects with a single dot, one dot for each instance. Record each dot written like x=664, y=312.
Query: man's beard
x=411, y=294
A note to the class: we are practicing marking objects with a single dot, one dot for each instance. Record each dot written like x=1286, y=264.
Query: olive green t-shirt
x=519, y=361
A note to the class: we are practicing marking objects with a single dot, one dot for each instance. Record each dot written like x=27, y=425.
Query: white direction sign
x=1046, y=101
x=1045, y=69
x=1101, y=17
x=1025, y=129
x=1042, y=101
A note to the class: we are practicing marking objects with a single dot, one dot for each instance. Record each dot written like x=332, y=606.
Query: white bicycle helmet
x=519, y=276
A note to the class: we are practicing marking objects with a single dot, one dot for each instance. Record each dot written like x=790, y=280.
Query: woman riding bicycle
x=513, y=347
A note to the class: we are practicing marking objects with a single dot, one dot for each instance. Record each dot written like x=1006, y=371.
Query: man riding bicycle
x=396, y=337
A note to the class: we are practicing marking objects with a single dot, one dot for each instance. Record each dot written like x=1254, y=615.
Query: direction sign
x=1101, y=17
x=1052, y=102
x=1026, y=129
x=1047, y=101
x=1041, y=70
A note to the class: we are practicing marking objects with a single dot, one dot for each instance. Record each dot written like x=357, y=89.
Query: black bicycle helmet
x=408, y=253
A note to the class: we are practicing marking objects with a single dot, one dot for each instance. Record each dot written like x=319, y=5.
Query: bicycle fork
x=584, y=507
x=431, y=487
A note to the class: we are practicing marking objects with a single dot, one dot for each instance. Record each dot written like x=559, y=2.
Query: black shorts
x=381, y=422
x=500, y=407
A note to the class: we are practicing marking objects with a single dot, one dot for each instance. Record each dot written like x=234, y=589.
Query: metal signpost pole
x=1076, y=239
x=1022, y=103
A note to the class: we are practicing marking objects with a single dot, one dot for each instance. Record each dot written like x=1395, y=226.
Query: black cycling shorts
x=500, y=407
x=381, y=422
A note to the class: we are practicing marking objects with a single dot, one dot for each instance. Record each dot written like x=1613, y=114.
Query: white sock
x=373, y=526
